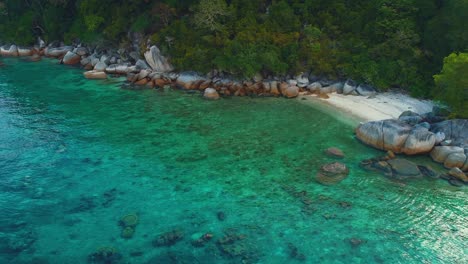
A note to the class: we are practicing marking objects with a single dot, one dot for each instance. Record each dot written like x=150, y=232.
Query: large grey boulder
x=349, y=87
x=455, y=160
x=157, y=61
x=291, y=91
x=9, y=51
x=314, y=87
x=410, y=118
x=365, y=90
x=23, y=52
x=337, y=87
x=95, y=75
x=119, y=69
x=302, y=80
x=211, y=94
x=455, y=130
x=403, y=168
x=143, y=74
x=384, y=134
x=420, y=140
x=440, y=153
x=100, y=66
x=57, y=52
x=142, y=65
x=82, y=51
x=71, y=58
x=85, y=61
x=189, y=80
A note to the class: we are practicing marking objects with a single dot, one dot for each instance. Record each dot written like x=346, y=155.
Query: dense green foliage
x=387, y=43
x=452, y=83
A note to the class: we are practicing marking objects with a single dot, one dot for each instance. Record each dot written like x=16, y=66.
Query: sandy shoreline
x=381, y=106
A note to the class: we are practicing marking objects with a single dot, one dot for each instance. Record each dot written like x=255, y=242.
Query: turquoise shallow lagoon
x=76, y=156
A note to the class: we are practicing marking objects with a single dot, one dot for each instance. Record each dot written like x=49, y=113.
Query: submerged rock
x=428, y=171
x=200, y=240
x=458, y=174
x=397, y=168
x=403, y=168
x=169, y=238
x=130, y=220
x=335, y=152
x=332, y=173
x=105, y=255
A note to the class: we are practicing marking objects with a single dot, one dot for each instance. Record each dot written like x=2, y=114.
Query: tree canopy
x=386, y=43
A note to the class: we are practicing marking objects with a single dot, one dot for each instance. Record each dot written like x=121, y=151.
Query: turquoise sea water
x=76, y=156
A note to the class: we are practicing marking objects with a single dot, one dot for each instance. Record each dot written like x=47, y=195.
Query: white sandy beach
x=381, y=106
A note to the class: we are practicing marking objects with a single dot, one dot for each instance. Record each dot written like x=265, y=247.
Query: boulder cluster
x=403, y=169
x=155, y=70
x=411, y=133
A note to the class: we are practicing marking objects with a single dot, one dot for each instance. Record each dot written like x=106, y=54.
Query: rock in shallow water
x=335, y=152
x=168, y=238
x=402, y=168
x=95, y=75
x=71, y=58
x=332, y=173
x=211, y=94
x=458, y=174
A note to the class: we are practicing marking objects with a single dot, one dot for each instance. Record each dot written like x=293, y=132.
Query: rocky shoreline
x=154, y=70
x=412, y=133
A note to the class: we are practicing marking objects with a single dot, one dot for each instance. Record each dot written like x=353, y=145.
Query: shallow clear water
x=77, y=155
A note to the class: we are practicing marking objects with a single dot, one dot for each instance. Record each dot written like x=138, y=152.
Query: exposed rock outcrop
x=350, y=87
x=9, y=51
x=365, y=90
x=455, y=130
x=24, y=52
x=211, y=94
x=95, y=75
x=290, y=91
x=57, y=52
x=189, y=80
x=419, y=140
x=71, y=58
x=157, y=61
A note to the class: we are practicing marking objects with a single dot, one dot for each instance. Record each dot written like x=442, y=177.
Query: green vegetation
x=387, y=43
x=452, y=83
